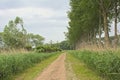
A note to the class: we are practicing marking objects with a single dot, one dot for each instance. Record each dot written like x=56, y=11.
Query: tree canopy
x=91, y=18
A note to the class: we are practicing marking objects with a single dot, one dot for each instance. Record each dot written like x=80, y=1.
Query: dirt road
x=56, y=71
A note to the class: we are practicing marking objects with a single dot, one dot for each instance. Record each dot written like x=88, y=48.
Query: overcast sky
x=45, y=17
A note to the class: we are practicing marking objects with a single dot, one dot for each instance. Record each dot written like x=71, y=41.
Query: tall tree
x=105, y=6
x=1, y=40
x=116, y=12
x=89, y=18
x=13, y=36
x=83, y=25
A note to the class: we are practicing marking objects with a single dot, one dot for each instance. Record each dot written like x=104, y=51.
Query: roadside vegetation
x=80, y=69
x=104, y=63
x=12, y=64
x=33, y=72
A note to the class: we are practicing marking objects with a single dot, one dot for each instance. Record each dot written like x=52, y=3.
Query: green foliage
x=14, y=36
x=1, y=40
x=16, y=63
x=107, y=64
x=90, y=18
x=47, y=49
x=35, y=40
x=65, y=45
x=83, y=20
x=28, y=47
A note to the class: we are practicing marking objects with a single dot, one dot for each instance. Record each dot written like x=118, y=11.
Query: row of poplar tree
x=89, y=19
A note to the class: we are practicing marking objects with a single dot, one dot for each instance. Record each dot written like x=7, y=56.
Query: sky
x=45, y=17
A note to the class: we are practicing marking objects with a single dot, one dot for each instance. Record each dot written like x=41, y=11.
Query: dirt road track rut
x=55, y=71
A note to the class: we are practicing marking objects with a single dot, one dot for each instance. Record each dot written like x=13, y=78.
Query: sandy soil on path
x=55, y=71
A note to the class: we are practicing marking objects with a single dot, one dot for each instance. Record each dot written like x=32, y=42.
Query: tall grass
x=105, y=63
x=15, y=63
x=13, y=51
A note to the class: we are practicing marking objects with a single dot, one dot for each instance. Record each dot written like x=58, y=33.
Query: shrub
x=47, y=49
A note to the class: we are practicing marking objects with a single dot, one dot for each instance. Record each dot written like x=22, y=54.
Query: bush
x=28, y=47
x=107, y=64
x=13, y=64
x=47, y=49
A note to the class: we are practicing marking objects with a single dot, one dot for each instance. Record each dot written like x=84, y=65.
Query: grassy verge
x=104, y=63
x=33, y=72
x=80, y=69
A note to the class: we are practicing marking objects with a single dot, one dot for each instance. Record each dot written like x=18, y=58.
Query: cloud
x=55, y=4
x=36, y=13
x=45, y=17
x=42, y=12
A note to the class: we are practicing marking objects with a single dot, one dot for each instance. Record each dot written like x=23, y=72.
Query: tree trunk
x=107, y=40
x=105, y=23
x=99, y=33
x=116, y=36
x=94, y=38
